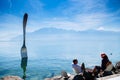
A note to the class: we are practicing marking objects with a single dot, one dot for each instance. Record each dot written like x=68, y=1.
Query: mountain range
x=54, y=33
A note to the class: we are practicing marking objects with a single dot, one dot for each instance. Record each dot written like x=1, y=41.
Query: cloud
x=10, y=1
x=73, y=15
x=100, y=28
x=76, y=15
x=84, y=6
x=87, y=14
x=78, y=22
x=36, y=6
x=10, y=25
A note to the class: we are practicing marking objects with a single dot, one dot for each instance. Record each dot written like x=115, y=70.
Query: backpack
x=78, y=77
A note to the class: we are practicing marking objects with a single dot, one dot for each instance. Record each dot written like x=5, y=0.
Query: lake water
x=48, y=58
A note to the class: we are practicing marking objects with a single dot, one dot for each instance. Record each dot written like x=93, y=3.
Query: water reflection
x=24, y=59
x=24, y=66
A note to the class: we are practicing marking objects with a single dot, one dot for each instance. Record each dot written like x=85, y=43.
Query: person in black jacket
x=104, y=62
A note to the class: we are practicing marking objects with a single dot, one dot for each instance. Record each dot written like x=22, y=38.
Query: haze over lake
x=52, y=48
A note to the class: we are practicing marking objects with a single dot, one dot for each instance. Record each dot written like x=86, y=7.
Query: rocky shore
x=111, y=77
x=11, y=78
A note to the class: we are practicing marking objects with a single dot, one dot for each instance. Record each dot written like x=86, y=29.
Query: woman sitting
x=108, y=70
x=104, y=62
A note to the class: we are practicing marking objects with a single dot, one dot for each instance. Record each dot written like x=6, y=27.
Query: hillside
x=54, y=33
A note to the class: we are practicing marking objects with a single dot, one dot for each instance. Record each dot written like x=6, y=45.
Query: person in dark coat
x=104, y=62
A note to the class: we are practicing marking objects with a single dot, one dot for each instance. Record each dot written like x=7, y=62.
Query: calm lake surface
x=48, y=58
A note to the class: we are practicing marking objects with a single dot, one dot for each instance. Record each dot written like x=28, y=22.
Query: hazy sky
x=65, y=14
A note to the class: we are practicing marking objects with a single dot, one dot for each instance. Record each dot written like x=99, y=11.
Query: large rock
x=11, y=78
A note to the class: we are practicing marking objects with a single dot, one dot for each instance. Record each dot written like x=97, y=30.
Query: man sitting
x=78, y=70
x=76, y=67
x=82, y=74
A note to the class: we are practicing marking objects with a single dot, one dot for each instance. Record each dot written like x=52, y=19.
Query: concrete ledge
x=111, y=77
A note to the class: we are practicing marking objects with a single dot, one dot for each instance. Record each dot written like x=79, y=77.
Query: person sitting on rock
x=77, y=68
x=104, y=62
x=108, y=70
